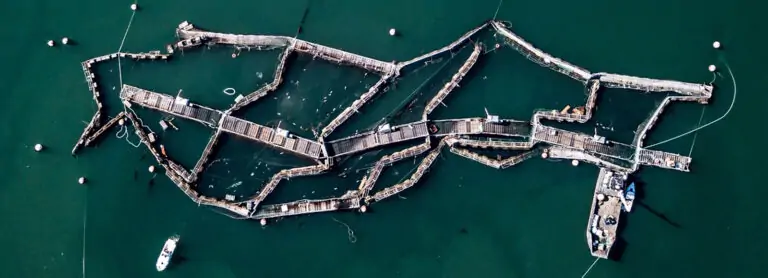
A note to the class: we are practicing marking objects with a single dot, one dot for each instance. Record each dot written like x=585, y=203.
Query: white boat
x=165, y=255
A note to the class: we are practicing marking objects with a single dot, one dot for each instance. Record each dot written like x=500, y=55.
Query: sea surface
x=463, y=220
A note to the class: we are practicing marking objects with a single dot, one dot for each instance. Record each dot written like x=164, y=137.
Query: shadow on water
x=639, y=201
x=659, y=214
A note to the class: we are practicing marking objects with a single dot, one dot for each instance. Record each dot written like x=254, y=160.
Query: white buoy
x=575, y=162
x=38, y=147
x=544, y=155
x=392, y=32
x=81, y=180
x=65, y=40
x=263, y=222
x=363, y=208
x=121, y=121
x=51, y=43
x=716, y=45
x=134, y=7
x=712, y=68
x=151, y=168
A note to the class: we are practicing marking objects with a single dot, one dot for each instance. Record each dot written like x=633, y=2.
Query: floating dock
x=453, y=83
x=444, y=49
x=316, y=50
x=263, y=91
x=615, y=160
x=355, y=107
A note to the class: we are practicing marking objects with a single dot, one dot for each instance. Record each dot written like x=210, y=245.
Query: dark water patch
x=312, y=93
x=241, y=167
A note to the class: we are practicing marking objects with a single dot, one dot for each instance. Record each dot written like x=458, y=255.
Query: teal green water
x=464, y=220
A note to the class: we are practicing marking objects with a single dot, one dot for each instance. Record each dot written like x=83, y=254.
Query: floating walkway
x=204, y=157
x=540, y=57
x=664, y=160
x=316, y=50
x=374, y=139
x=616, y=160
x=241, y=102
x=557, y=152
x=495, y=163
x=182, y=108
x=355, y=107
x=611, y=80
x=306, y=207
x=277, y=138
x=490, y=143
x=373, y=175
x=408, y=183
x=443, y=93
x=285, y=174
x=583, y=142
x=104, y=128
x=177, y=106
x=449, y=47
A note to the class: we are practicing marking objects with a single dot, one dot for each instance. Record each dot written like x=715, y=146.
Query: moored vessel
x=165, y=255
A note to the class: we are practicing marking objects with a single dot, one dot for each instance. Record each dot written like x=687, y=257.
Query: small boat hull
x=166, y=253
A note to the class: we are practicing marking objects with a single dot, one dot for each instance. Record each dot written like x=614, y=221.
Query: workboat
x=165, y=255
x=629, y=197
x=630, y=193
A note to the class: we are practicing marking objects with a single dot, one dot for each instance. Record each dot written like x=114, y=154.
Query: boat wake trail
x=733, y=79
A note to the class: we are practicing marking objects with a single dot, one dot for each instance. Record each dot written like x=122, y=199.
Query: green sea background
x=462, y=220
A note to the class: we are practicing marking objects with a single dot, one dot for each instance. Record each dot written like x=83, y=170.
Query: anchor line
x=733, y=101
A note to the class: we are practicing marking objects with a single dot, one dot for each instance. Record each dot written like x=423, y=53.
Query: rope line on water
x=733, y=79
x=697, y=134
x=350, y=232
x=85, y=221
x=497, y=9
x=590, y=268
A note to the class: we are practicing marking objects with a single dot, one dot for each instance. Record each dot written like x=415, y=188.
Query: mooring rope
x=122, y=42
x=497, y=9
x=590, y=268
x=85, y=221
x=697, y=134
x=733, y=79
x=350, y=232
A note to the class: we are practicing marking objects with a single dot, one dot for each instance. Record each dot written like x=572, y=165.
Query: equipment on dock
x=384, y=128
x=38, y=147
x=162, y=150
x=491, y=118
x=565, y=110
x=229, y=197
x=152, y=138
x=165, y=255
